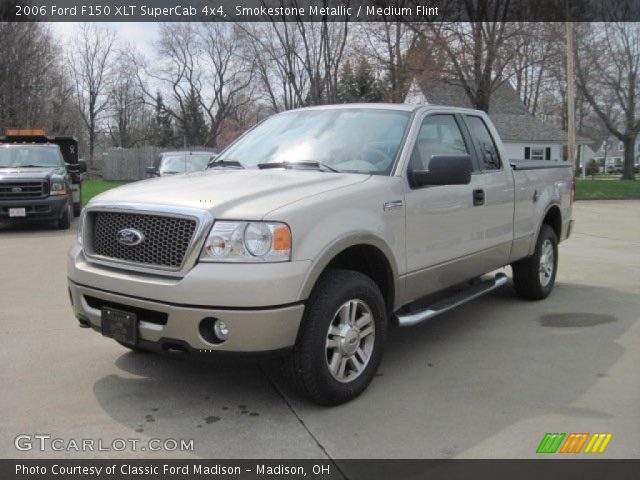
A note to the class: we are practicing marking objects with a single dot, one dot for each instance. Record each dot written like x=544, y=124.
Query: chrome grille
x=23, y=190
x=166, y=238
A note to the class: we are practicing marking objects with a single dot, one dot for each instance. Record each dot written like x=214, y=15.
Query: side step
x=413, y=318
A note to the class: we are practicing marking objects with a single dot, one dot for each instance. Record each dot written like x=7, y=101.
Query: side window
x=438, y=135
x=488, y=150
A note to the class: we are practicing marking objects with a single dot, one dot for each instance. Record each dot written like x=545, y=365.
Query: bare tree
x=130, y=118
x=478, y=51
x=91, y=63
x=204, y=72
x=607, y=69
x=227, y=76
x=387, y=45
x=34, y=90
x=297, y=62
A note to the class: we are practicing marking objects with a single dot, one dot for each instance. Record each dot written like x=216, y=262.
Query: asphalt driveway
x=487, y=380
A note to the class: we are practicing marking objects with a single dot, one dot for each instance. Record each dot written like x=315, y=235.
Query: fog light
x=221, y=330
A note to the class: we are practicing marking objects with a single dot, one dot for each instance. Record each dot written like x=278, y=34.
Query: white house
x=523, y=135
x=611, y=152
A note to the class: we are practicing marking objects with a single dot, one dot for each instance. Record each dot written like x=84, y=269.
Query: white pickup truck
x=313, y=232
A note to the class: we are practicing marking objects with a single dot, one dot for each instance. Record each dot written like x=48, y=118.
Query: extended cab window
x=439, y=135
x=489, y=158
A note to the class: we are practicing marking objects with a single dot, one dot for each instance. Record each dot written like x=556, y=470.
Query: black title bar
x=319, y=10
x=547, y=469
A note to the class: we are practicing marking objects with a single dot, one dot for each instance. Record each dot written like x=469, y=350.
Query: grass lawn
x=91, y=188
x=587, y=189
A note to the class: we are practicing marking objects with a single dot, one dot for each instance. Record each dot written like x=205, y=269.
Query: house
x=523, y=135
x=611, y=152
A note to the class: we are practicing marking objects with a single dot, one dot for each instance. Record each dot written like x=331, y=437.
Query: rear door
x=496, y=198
x=443, y=228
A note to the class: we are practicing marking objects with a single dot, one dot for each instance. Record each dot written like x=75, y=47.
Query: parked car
x=171, y=163
x=39, y=177
x=329, y=224
x=615, y=168
x=592, y=168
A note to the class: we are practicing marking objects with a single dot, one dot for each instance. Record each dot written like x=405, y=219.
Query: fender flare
x=551, y=205
x=329, y=253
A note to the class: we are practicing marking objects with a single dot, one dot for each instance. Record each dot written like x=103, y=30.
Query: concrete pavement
x=487, y=380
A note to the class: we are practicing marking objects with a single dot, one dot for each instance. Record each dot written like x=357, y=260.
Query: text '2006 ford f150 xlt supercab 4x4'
x=313, y=232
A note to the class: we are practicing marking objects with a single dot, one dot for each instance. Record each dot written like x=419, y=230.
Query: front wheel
x=64, y=223
x=339, y=347
x=534, y=277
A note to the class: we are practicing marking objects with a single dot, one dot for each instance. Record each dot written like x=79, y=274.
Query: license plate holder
x=17, y=212
x=119, y=325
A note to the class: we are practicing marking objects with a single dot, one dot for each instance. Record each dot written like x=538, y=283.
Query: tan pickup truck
x=313, y=232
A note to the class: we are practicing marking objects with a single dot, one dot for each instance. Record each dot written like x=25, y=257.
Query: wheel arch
x=366, y=254
x=552, y=217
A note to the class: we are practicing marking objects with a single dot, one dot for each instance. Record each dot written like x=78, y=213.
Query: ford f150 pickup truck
x=313, y=232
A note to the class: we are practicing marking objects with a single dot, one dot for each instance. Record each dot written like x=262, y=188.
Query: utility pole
x=571, y=105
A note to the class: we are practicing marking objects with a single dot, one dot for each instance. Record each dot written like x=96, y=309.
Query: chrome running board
x=475, y=291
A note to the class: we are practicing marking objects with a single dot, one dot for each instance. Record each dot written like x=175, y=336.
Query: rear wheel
x=339, y=347
x=534, y=277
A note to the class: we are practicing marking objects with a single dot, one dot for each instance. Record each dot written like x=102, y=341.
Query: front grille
x=166, y=239
x=23, y=190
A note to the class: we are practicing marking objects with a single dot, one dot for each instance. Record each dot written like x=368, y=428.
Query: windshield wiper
x=220, y=162
x=299, y=164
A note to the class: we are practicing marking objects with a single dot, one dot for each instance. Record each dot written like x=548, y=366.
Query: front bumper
x=49, y=208
x=260, y=303
x=165, y=326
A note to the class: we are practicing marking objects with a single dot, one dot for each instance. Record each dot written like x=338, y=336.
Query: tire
x=335, y=296
x=64, y=223
x=529, y=279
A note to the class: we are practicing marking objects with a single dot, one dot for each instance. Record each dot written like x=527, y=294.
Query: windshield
x=184, y=162
x=29, y=157
x=353, y=140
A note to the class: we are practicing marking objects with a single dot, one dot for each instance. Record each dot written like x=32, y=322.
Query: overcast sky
x=142, y=34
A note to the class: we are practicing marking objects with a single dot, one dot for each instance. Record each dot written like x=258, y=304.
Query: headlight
x=247, y=242
x=80, y=226
x=58, y=188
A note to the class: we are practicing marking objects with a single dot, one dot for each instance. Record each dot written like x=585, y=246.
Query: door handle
x=478, y=197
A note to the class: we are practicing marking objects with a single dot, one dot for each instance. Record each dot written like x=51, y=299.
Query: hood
x=29, y=173
x=232, y=194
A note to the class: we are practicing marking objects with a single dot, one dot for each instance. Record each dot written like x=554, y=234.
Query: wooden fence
x=129, y=164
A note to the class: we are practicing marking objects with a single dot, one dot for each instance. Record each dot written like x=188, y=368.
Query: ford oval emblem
x=130, y=237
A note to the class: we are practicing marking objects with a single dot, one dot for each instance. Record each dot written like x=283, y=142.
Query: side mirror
x=443, y=170
x=152, y=170
x=80, y=167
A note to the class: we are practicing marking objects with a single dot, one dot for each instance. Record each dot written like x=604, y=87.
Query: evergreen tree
x=163, y=135
x=361, y=85
x=194, y=128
